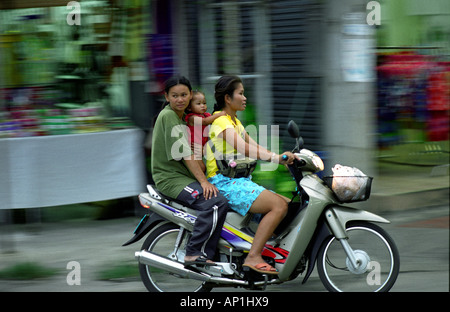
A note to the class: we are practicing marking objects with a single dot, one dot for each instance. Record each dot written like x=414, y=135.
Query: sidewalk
x=401, y=187
x=95, y=245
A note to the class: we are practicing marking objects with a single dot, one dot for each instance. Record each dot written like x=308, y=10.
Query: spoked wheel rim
x=377, y=257
x=163, y=281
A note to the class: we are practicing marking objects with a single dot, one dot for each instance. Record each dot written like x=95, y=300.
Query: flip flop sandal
x=263, y=268
x=202, y=261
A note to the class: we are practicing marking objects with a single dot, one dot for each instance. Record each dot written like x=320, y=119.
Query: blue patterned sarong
x=240, y=192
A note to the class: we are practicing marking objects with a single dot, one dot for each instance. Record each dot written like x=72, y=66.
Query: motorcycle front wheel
x=376, y=253
x=162, y=241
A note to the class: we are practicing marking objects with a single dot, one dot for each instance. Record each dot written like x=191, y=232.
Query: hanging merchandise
x=412, y=99
x=161, y=56
x=439, y=103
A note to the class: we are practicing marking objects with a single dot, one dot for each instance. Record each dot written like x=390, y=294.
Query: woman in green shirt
x=178, y=175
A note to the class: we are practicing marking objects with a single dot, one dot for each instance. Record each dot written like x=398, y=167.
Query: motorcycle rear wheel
x=161, y=241
x=373, y=247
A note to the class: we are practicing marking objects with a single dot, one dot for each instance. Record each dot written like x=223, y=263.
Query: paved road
x=422, y=237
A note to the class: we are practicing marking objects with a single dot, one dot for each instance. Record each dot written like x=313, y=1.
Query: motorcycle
x=351, y=252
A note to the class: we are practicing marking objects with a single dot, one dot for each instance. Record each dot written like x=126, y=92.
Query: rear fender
x=148, y=222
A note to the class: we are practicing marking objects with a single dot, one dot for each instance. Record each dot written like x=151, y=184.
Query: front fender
x=338, y=216
x=147, y=223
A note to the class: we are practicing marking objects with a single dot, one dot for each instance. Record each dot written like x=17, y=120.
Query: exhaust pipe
x=178, y=268
x=166, y=264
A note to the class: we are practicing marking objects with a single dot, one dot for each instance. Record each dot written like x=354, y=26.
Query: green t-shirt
x=169, y=146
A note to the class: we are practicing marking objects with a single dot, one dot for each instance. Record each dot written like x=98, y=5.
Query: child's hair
x=194, y=93
x=225, y=85
x=171, y=82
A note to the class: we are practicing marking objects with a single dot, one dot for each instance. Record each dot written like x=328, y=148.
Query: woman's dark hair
x=176, y=80
x=171, y=82
x=225, y=85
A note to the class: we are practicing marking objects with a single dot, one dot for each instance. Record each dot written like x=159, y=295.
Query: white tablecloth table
x=66, y=169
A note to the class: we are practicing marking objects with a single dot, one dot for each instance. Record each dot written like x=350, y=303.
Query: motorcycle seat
x=183, y=205
x=173, y=201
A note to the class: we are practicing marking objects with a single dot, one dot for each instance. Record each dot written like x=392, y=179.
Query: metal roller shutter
x=295, y=39
x=296, y=79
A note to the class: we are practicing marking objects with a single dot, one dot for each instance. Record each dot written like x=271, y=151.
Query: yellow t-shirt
x=220, y=145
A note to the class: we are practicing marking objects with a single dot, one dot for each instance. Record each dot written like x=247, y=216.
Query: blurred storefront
x=69, y=72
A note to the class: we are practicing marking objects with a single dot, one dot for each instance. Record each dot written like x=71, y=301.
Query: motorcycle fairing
x=180, y=214
x=242, y=241
x=278, y=254
x=234, y=238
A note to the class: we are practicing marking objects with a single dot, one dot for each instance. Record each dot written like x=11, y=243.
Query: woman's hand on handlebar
x=287, y=158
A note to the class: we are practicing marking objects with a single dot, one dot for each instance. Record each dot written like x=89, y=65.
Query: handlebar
x=300, y=162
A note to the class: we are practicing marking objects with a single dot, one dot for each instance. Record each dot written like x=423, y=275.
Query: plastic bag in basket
x=347, y=183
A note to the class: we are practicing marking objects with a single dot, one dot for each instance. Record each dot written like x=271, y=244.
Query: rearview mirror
x=293, y=129
x=294, y=132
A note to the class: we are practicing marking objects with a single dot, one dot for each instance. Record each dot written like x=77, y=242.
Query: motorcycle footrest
x=252, y=276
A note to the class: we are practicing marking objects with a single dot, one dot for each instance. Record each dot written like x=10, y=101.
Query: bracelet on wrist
x=272, y=158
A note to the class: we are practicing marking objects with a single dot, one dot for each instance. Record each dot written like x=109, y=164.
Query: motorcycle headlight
x=318, y=162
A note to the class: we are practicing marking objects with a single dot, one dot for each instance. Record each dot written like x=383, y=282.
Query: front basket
x=349, y=189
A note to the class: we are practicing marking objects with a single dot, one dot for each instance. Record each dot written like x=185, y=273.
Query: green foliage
x=27, y=271
x=119, y=271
